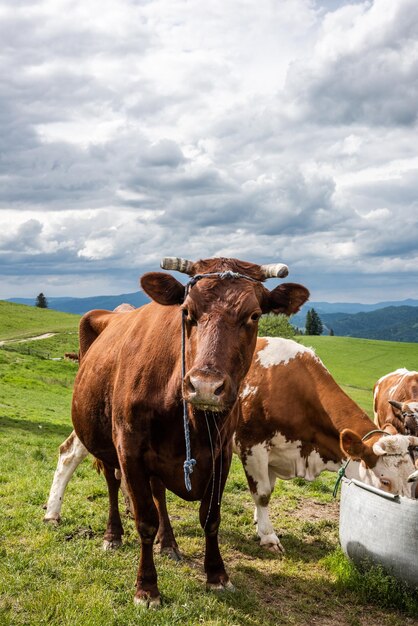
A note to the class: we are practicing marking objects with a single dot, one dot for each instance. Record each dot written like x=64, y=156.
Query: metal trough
x=379, y=528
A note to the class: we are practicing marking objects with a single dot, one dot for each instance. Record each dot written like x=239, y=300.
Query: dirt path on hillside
x=44, y=336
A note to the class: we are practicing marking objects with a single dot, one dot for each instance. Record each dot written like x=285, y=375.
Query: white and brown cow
x=396, y=401
x=296, y=421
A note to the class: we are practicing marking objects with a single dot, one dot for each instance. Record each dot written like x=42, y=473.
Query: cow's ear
x=397, y=406
x=351, y=444
x=163, y=288
x=389, y=428
x=286, y=298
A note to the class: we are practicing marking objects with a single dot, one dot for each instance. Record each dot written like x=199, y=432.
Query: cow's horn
x=413, y=477
x=395, y=404
x=272, y=270
x=176, y=263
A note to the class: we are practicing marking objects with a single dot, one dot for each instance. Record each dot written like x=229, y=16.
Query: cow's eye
x=386, y=483
x=255, y=317
x=189, y=317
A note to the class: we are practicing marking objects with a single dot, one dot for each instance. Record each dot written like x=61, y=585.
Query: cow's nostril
x=190, y=386
x=219, y=389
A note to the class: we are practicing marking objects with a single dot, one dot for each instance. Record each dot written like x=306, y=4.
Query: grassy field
x=356, y=364
x=19, y=321
x=59, y=575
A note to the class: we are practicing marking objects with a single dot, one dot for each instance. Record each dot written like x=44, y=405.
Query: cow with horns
x=396, y=401
x=161, y=383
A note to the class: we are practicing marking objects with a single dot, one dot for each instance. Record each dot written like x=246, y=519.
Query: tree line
x=272, y=325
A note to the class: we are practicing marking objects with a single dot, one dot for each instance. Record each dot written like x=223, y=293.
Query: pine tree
x=313, y=323
x=317, y=323
x=41, y=301
x=308, y=323
x=331, y=332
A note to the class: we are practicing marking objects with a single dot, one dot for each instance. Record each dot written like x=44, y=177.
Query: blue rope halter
x=189, y=463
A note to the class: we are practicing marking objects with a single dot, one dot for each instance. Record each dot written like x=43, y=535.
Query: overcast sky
x=276, y=130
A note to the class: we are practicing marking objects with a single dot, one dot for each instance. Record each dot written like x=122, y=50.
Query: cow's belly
x=289, y=462
x=92, y=424
x=288, y=459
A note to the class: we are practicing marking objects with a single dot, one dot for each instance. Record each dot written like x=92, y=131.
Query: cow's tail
x=98, y=466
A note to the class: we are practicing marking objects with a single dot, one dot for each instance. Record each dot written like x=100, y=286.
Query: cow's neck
x=340, y=408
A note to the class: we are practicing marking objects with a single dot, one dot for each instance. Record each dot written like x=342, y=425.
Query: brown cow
x=127, y=402
x=396, y=401
x=296, y=421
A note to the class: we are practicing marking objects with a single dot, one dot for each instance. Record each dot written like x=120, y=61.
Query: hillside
x=394, y=323
x=82, y=305
x=360, y=362
x=356, y=364
x=19, y=321
x=390, y=321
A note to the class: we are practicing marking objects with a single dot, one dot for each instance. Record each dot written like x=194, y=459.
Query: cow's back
x=289, y=391
x=401, y=386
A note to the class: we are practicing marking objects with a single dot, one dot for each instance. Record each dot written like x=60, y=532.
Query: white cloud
x=259, y=130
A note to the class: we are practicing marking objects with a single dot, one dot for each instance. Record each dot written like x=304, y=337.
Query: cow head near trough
x=386, y=461
x=221, y=306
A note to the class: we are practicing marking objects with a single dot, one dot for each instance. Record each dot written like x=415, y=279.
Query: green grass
x=59, y=575
x=360, y=362
x=19, y=321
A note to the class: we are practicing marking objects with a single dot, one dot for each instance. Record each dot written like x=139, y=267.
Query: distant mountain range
x=82, y=305
x=392, y=323
x=391, y=320
x=346, y=307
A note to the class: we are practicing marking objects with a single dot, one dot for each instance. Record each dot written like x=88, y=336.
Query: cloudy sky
x=276, y=130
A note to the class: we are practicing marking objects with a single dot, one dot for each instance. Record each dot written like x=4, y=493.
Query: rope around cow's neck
x=189, y=463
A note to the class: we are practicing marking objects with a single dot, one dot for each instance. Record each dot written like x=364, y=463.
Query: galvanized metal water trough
x=379, y=528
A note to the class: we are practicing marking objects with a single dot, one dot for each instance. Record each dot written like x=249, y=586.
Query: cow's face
x=407, y=413
x=221, y=321
x=386, y=463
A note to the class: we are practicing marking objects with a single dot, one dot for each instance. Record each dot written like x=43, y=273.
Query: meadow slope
x=59, y=575
x=18, y=321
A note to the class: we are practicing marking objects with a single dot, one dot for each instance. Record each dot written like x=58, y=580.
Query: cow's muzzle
x=207, y=390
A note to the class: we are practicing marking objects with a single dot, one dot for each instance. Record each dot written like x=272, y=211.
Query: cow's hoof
x=172, y=553
x=148, y=603
x=52, y=518
x=274, y=548
x=272, y=544
x=221, y=586
x=113, y=544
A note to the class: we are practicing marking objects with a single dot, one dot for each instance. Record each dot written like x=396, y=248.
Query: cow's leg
x=146, y=521
x=71, y=454
x=261, y=481
x=126, y=497
x=113, y=536
x=165, y=535
x=210, y=517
